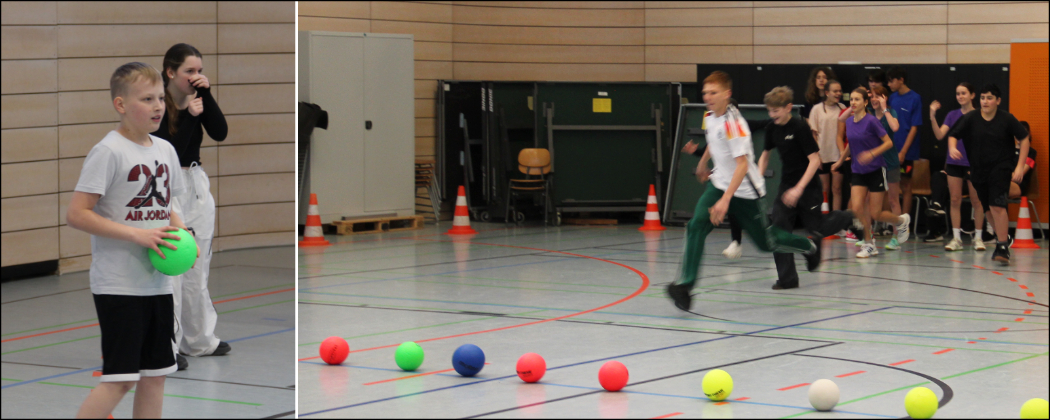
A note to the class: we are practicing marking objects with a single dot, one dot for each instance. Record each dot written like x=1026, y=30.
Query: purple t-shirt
x=863, y=136
x=950, y=121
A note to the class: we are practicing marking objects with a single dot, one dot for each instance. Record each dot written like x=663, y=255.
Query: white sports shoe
x=866, y=252
x=954, y=245
x=733, y=251
x=874, y=247
x=978, y=244
x=902, y=229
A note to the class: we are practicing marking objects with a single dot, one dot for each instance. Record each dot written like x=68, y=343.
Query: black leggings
x=735, y=230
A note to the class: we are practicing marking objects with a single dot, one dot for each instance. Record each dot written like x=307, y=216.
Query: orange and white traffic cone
x=824, y=209
x=1023, y=233
x=461, y=221
x=652, y=213
x=312, y=235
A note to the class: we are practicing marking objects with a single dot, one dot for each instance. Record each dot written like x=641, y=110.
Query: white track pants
x=195, y=315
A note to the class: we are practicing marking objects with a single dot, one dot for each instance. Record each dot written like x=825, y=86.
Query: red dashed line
x=1012, y=279
x=997, y=273
x=1002, y=329
x=793, y=387
x=851, y=374
x=742, y=398
x=1030, y=294
x=943, y=351
x=1023, y=286
x=1019, y=320
x=957, y=261
x=667, y=415
x=971, y=342
x=982, y=338
x=977, y=266
x=902, y=362
x=1027, y=311
x=722, y=403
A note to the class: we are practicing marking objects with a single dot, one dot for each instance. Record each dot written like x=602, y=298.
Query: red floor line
x=982, y=338
x=935, y=256
x=252, y=296
x=1019, y=320
x=943, y=351
x=1027, y=311
x=971, y=342
x=409, y=376
x=642, y=288
x=1012, y=279
x=851, y=374
x=902, y=362
x=722, y=403
x=793, y=386
x=1030, y=294
x=1023, y=286
x=977, y=266
x=742, y=399
x=997, y=273
x=667, y=415
x=957, y=261
x=1002, y=329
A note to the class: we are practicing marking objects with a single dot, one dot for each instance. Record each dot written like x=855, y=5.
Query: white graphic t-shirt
x=728, y=137
x=138, y=185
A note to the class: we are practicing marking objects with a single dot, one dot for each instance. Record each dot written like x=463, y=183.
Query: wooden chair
x=536, y=165
x=920, y=190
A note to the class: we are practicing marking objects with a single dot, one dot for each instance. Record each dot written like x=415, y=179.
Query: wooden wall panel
x=438, y=32
x=135, y=40
x=425, y=108
x=27, y=13
x=670, y=72
x=224, y=243
x=33, y=246
x=903, y=14
x=256, y=68
x=411, y=12
x=696, y=4
x=94, y=73
x=28, y=42
x=699, y=54
x=883, y=35
x=310, y=23
x=336, y=9
x=256, y=159
x=903, y=54
x=425, y=127
x=699, y=36
x=257, y=99
x=77, y=140
x=1021, y=12
x=32, y=212
x=433, y=51
x=23, y=111
x=29, y=144
x=433, y=70
x=30, y=178
x=210, y=160
x=810, y=4
x=463, y=52
x=256, y=12
x=256, y=218
x=1000, y=33
x=63, y=207
x=978, y=53
x=550, y=72
x=425, y=88
x=29, y=76
x=73, y=243
x=554, y=4
x=523, y=35
x=241, y=38
x=698, y=17
x=86, y=107
x=121, y=12
x=69, y=173
x=542, y=17
x=245, y=189
x=260, y=128
x=425, y=146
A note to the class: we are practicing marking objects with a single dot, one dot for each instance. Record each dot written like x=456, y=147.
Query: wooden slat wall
x=663, y=41
x=57, y=59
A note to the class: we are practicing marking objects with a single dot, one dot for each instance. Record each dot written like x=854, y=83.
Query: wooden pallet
x=377, y=225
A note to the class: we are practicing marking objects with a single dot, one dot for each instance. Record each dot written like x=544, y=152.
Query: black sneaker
x=679, y=293
x=813, y=257
x=935, y=210
x=181, y=361
x=1001, y=254
x=779, y=286
x=222, y=349
x=934, y=237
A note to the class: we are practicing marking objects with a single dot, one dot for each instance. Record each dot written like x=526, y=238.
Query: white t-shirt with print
x=729, y=137
x=138, y=185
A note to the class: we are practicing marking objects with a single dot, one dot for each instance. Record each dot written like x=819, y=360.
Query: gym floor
x=51, y=344
x=971, y=331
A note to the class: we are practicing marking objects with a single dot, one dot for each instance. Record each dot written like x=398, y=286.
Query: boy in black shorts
x=124, y=200
x=800, y=193
x=994, y=160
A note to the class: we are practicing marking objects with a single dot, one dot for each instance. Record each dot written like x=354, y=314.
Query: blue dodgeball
x=468, y=360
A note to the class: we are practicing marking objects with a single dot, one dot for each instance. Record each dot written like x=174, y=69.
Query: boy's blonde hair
x=779, y=97
x=128, y=74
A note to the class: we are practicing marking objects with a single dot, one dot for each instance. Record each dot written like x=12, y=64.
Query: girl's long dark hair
x=173, y=59
x=812, y=92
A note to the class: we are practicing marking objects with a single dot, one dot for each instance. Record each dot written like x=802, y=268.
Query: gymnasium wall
x=1029, y=91
x=57, y=59
x=663, y=41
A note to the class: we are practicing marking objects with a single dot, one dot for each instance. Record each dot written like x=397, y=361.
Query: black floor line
x=964, y=268
x=417, y=266
x=229, y=383
x=650, y=380
x=575, y=321
x=279, y=415
x=877, y=300
x=946, y=390
x=940, y=285
x=957, y=332
x=37, y=297
x=438, y=235
x=36, y=364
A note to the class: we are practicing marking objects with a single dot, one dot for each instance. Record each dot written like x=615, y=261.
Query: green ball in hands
x=176, y=261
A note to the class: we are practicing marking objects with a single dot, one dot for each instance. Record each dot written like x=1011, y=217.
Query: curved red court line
x=645, y=285
x=96, y=324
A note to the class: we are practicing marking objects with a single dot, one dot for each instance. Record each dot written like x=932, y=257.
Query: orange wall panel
x=1028, y=93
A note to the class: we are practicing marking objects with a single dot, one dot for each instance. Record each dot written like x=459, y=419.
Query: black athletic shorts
x=1025, y=181
x=137, y=336
x=825, y=168
x=875, y=180
x=993, y=186
x=957, y=171
x=906, y=168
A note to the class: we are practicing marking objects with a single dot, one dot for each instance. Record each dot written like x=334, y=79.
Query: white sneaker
x=866, y=252
x=955, y=245
x=733, y=251
x=874, y=248
x=978, y=244
x=902, y=229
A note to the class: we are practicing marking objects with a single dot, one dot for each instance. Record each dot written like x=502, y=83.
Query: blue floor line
x=592, y=361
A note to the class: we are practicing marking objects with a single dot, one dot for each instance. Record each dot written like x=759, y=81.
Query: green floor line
x=52, y=326
x=52, y=344
x=532, y=281
x=256, y=306
x=511, y=287
x=68, y=385
x=253, y=290
x=12, y=380
x=424, y=327
x=854, y=303
x=970, y=319
x=993, y=366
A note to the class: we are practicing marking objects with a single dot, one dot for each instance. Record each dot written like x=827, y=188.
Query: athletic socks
x=978, y=233
x=956, y=232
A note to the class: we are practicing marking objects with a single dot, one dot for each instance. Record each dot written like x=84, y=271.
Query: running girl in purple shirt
x=958, y=170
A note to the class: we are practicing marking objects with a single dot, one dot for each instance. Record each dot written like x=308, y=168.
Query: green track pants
x=750, y=216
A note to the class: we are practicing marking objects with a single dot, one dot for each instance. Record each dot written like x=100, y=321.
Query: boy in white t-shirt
x=736, y=188
x=124, y=200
